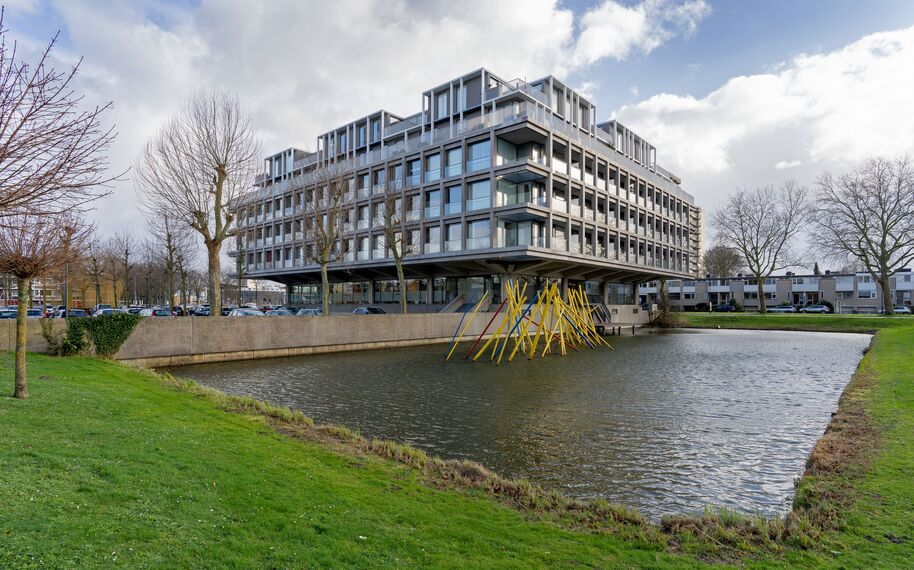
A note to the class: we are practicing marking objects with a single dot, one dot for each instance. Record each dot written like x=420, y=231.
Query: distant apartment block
x=848, y=292
x=500, y=179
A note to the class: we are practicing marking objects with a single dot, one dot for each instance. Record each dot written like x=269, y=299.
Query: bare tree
x=867, y=215
x=95, y=266
x=393, y=218
x=200, y=165
x=171, y=243
x=721, y=261
x=325, y=191
x=762, y=224
x=123, y=247
x=240, y=264
x=53, y=154
x=30, y=246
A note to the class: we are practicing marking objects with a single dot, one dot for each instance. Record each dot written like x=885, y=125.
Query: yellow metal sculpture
x=558, y=323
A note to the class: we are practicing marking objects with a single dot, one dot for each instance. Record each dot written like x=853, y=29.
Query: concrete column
x=604, y=292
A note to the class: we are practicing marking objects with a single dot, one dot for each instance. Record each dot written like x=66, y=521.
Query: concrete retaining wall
x=182, y=340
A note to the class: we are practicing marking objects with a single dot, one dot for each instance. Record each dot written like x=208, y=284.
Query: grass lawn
x=108, y=466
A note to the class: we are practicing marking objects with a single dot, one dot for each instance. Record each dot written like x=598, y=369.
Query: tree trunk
x=762, y=308
x=325, y=290
x=214, y=266
x=170, y=290
x=888, y=304
x=98, y=290
x=114, y=291
x=25, y=290
x=402, y=280
x=183, y=290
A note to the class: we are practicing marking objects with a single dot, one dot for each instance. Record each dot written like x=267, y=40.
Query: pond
x=666, y=423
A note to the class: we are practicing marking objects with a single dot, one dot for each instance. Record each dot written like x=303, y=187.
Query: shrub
x=74, y=341
x=108, y=332
x=735, y=304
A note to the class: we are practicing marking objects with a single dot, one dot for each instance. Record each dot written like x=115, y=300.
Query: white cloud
x=633, y=90
x=614, y=30
x=825, y=110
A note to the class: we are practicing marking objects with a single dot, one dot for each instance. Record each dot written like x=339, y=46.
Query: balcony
x=574, y=210
x=363, y=224
x=479, y=203
x=559, y=243
x=432, y=211
x=559, y=166
x=379, y=254
x=453, y=245
x=432, y=248
x=479, y=242
x=454, y=208
x=559, y=205
x=362, y=255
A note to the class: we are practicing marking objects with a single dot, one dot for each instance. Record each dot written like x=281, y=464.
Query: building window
x=454, y=237
x=441, y=105
x=479, y=234
x=433, y=168
x=432, y=239
x=375, y=130
x=412, y=172
x=479, y=195
x=866, y=294
x=454, y=162
x=343, y=143
x=454, y=200
x=362, y=140
x=479, y=156
x=432, y=204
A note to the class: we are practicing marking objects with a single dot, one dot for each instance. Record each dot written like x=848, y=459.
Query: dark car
x=724, y=308
x=369, y=311
x=73, y=313
x=226, y=311
x=279, y=313
x=134, y=310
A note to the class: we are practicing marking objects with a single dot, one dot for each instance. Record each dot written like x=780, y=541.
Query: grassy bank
x=794, y=322
x=107, y=465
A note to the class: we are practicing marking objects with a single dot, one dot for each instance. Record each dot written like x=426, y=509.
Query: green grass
x=794, y=322
x=109, y=466
x=105, y=465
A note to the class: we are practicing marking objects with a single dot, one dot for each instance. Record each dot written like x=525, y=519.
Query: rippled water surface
x=666, y=423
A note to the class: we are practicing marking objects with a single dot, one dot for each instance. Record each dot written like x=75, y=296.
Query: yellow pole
x=467, y=325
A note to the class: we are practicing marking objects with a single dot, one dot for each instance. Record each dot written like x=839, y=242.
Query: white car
x=245, y=313
x=821, y=309
x=782, y=309
x=902, y=310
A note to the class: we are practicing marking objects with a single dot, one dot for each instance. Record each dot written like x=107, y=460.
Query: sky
x=732, y=94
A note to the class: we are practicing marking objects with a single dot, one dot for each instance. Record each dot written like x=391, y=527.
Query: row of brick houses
x=847, y=292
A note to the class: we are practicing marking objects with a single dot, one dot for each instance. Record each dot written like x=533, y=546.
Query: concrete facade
x=497, y=179
x=847, y=292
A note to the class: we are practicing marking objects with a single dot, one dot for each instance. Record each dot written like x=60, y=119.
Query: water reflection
x=667, y=423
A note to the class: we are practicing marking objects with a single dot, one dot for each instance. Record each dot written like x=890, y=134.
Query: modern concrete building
x=499, y=179
x=847, y=292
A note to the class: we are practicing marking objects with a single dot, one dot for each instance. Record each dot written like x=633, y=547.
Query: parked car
x=225, y=311
x=72, y=313
x=280, y=313
x=201, y=311
x=6, y=313
x=102, y=312
x=310, y=312
x=724, y=308
x=99, y=307
x=820, y=309
x=33, y=314
x=902, y=310
x=151, y=312
x=368, y=311
x=134, y=310
x=245, y=313
x=783, y=309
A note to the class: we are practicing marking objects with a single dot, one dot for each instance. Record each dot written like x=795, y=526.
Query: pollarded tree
x=200, y=165
x=325, y=190
x=762, y=224
x=53, y=147
x=393, y=216
x=722, y=261
x=32, y=246
x=867, y=215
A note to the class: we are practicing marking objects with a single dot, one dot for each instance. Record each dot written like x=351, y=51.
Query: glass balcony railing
x=432, y=211
x=454, y=208
x=452, y=170
x=559, y=243
x=363, y=255
x=559, y=205
x=453, y=245
x=412, y=180
x=363, y=224
x=481, y=163
x=574, y=210
x=432, y=248
x=379, y=254
x=559, y=166
x=479, y=203
x=479, y=242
